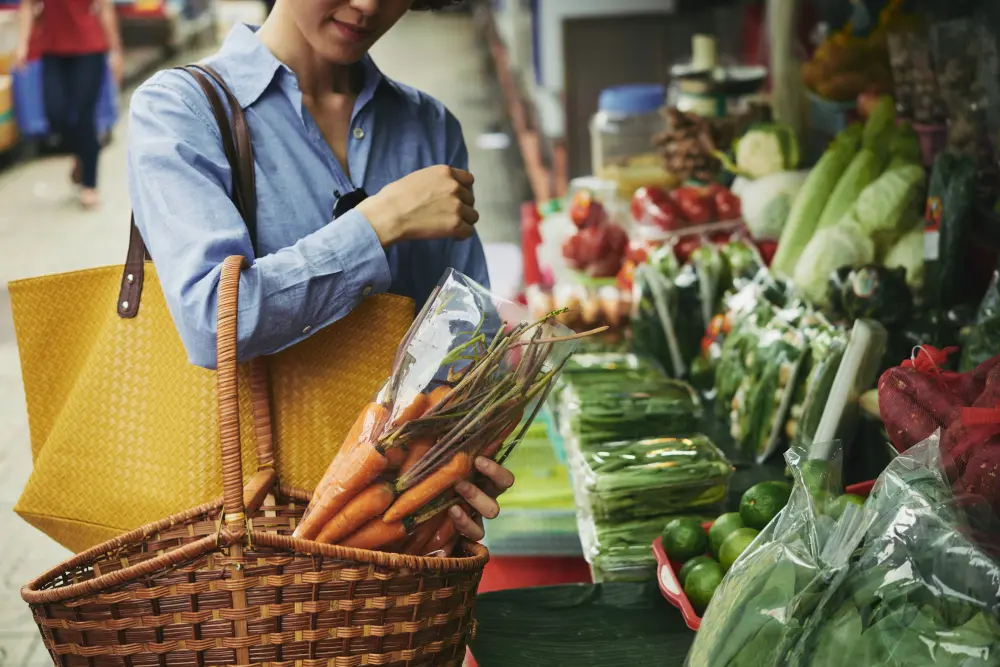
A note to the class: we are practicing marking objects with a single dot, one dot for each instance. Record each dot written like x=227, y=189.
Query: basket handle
x=228, y=397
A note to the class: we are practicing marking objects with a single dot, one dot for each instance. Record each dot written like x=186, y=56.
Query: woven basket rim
x=34, y=592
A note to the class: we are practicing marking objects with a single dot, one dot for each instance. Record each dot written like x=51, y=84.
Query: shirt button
x=359, y=133
x=367, y=291
x=307, y=330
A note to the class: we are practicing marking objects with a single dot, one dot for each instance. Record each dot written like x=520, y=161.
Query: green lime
x=683, y=539
x=701, y=584
x=683, y=573
x=762, y=502
x=720, y=530
x=736, y=544
x=815, y=476
x=835, y=508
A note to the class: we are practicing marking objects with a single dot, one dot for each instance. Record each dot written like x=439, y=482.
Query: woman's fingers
x=465, y=196
x=468, y=214
x=463, y=177
x=465, y=525
x=500, y=476
x=478, y=499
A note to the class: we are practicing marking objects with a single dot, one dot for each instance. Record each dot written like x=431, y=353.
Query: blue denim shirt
x=311, y=269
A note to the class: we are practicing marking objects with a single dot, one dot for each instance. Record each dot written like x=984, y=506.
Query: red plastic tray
x=670, y=583
x=670, y=586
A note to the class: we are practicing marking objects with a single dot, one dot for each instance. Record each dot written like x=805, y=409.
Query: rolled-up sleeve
x=465, y=256
x=180, y=185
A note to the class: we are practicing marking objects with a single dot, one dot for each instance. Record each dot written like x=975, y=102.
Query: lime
x=735, y=544
x=720, y=530
x=701, y=584
x=762, y=502
x=690, y=565
x=835, y=508
x=815, y=476
x=683, y=539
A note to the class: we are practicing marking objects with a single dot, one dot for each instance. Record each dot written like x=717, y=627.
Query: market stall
x=789, y=427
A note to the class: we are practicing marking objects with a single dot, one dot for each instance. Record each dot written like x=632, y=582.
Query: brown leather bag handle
x=237, y=145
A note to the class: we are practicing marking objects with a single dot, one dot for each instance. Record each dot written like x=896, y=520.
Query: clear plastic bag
x=920, y=589
x=467, y=381
x=756, y=615
x=655, y=477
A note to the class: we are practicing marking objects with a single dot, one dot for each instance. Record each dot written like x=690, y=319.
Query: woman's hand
x=482, y=499
x=431, y=203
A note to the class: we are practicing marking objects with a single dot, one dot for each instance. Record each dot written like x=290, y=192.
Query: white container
x=626, y=121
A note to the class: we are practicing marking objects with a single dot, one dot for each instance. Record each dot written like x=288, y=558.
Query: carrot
x=396, y=456
x=417, y=451
x=376, y=533
x=411, y=411
x=352, y=472
x=413, y=499
x=361, y=509
x=437, y=395
x=362, y=429
x=414, y=546
x=442, y=536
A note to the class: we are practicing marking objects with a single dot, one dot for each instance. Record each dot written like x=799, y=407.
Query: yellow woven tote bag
x=123, y=427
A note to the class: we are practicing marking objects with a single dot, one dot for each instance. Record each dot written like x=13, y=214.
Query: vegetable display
x=466, y=382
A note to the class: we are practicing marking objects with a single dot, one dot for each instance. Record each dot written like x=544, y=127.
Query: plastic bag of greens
x=920, y=590
x=599, y=412
x=765, y=393
x=651, y=332
x=827, y=344
x=984, y=336
x=654, y=477
x=756, y=616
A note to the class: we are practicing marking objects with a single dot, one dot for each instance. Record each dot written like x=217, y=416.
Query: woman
x=78, y=40
x=327, y=127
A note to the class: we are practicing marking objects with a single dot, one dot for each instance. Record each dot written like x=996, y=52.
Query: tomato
x=626, y=274
x=585, y=211
x=693, y=204
x=685, y=246
x=652, y=206
x=727, y=205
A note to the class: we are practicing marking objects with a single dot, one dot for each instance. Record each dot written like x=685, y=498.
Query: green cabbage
x=844, y=244
x=883, y=206
x=908, y=253
x=863, y=170
x=766, y=149
x=812, y=199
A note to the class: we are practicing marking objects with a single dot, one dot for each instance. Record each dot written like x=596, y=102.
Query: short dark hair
x=433, y=4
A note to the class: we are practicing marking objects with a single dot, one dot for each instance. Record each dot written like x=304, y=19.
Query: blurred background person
x=79, y=40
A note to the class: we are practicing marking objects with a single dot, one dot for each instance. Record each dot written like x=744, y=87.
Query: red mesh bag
x=918, y=398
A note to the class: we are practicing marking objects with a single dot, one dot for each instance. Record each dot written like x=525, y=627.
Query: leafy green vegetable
x=812, y=199
x=767, y=202
x=765, y=149
x=908, y=254
x=862, y=172
x=984, y=335
x=844, y=244
x=881, y=121
x=883, y=206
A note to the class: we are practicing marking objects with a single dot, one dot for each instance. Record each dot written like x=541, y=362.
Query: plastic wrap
x=467, y=381
x=598, y=412
x=756, y=615
x=654, y=477
x=919, y=590
x=826, y=350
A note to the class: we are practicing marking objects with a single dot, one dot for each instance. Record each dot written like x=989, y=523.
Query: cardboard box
x=8, y=40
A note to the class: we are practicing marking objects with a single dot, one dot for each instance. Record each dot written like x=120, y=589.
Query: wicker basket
x=226, y=584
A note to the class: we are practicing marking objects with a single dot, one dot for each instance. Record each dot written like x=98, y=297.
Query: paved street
x=43, y=231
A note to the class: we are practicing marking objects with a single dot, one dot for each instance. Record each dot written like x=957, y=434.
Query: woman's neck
x=317, y=77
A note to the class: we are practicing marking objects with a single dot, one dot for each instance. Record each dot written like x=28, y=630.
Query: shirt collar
x=252, y=68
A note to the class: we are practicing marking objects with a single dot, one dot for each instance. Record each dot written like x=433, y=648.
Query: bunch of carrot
x=391, y=483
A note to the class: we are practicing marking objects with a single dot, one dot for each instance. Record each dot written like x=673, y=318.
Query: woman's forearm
x=26, y=21
x=109, y=20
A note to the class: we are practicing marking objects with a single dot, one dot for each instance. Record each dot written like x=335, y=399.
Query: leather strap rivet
x=130, y=278
x=125, y=304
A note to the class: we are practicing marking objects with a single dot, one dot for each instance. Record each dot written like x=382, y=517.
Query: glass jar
x=627, y=119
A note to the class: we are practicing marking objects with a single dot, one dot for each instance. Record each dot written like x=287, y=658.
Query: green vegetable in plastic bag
x=950, y=201
x=877, y=293
x=812, y=199
x=983, y=341
x=826, y=350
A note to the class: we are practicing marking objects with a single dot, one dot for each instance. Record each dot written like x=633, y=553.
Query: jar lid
x=634, y=98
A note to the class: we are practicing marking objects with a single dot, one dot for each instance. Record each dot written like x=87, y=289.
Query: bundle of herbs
x=392, y=480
